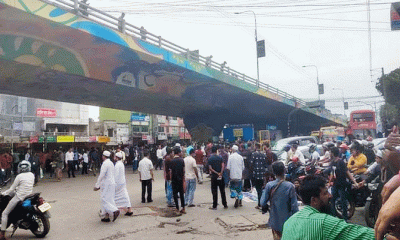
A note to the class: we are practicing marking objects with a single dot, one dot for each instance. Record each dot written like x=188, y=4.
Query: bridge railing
x=118, y=23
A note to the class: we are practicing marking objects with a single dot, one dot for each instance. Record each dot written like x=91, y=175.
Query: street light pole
x=319, y=98
x=374, y=108
x=255, y=36
x=344, y=110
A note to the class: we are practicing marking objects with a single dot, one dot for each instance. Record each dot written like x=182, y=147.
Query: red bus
x=362, y=124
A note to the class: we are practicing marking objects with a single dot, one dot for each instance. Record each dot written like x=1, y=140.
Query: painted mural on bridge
x=50, y=37
x=130, y=62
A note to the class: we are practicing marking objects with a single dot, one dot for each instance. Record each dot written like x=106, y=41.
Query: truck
x=232, y=133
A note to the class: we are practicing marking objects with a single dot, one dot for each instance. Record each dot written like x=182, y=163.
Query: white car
x=302, y=143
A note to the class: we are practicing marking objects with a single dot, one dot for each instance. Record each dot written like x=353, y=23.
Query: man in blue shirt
x=282, y=196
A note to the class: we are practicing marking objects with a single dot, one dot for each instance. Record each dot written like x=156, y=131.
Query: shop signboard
x=24, y=139
x=65, y=139
x=135, y=116
x=93, y=139
x=46, y=112
x=81, y=139
x=51, y=139
x=103, y=139
x=162, y=136
x=34, y=139
x=41, y=139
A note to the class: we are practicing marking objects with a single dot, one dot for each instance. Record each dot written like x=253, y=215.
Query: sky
x=330, y=35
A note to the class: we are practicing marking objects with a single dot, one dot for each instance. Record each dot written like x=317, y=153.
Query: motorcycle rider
x=314, y=153
x=22, y=187
x=369, y=152
x=326, y=159
x=344, y=152
x=292, y=153
x=357, y=160
x=338, y=180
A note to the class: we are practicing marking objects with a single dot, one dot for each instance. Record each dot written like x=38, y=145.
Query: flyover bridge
x=67, y=51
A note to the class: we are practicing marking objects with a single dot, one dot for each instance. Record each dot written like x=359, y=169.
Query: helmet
x=312, y=147
x=328, y=145
x=356, y=146
x=287, y=147
x=344, y=146
x=24, y=166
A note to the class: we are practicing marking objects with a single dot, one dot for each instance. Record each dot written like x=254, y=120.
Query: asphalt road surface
x=75, y=208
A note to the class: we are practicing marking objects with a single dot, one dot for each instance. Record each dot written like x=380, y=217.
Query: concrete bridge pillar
x=204, y=126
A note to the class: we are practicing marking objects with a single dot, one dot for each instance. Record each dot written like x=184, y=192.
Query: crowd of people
x=241, y=167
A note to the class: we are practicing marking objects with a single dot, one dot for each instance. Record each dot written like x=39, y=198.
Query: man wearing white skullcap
x=236, y=166
x=106, y=184
x=122, y=200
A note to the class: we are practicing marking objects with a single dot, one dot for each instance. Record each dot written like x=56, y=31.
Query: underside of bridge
x=45, y=59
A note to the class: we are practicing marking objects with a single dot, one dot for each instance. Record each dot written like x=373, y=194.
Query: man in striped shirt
x=312, y=222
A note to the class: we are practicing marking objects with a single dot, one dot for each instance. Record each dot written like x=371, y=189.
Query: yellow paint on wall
x=29, y=59
x=58, y=67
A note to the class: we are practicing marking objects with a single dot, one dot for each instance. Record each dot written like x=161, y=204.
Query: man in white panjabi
x=122, y=200
x=106, y=184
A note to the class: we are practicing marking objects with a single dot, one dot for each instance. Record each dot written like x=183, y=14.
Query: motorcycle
x=373, y=204
x=357, y=197
x=30, y=214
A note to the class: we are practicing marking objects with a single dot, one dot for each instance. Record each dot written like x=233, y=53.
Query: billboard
x=65, y=139
x=46, y=112
x=140, y=117
x=395, y=16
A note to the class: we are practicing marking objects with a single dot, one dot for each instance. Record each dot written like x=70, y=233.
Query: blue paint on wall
x=57, y=12
x=100, y=31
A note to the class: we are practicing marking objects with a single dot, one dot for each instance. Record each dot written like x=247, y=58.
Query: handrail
x=84, y=10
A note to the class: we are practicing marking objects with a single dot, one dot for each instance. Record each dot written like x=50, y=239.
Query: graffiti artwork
x=40, y=35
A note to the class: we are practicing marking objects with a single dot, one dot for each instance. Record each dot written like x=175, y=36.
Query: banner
x=63, y=139
x=46, y=112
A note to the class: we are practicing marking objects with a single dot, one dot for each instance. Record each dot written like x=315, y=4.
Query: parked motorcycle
x=31, y=214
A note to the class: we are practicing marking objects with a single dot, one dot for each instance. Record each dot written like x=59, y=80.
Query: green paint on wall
x=120, y=116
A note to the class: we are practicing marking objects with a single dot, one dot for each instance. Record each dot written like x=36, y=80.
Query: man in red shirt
x=199, y=157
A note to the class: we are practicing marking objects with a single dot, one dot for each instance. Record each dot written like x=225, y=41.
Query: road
x=75, y=208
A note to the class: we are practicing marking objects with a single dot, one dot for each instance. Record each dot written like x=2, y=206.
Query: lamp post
x=12, y=129
x=319, y=99
x=344, y=113
x=255, y=36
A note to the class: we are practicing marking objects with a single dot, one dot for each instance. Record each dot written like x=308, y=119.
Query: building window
x=174, y=130
x=110, y=132
x=182, y=129
x=135, y=128
x=145, y=129
x=160, y=129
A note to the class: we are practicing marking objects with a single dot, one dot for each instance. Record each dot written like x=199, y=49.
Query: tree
x=389, y=86
x=390, y=114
